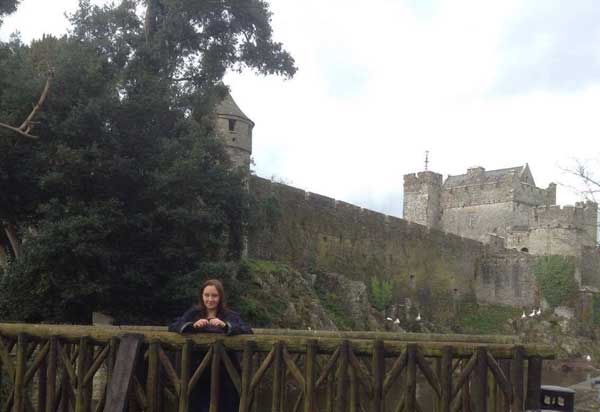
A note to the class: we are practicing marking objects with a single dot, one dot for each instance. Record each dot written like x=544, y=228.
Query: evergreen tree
x=125, y=188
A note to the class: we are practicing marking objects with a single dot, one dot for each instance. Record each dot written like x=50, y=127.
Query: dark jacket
x=235, y=324
x=200, y=396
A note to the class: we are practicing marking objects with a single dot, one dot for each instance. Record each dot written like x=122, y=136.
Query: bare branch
x=15, y=243
x=25, y=128
x=19, y=131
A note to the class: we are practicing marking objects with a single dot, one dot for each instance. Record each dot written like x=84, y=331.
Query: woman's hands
x=202, y=323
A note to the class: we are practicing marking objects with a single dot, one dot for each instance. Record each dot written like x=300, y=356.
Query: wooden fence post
x=534, y=383
x=42, y=383
x=516, y=369
x=19, y=398
x=184, y=377
x=152, y=384
x=51, y=376
x=410, y=397
x=378, y=375
x=81, y=397
x=446, y=378
x=480, y=381
x=310, y=376
x=120, y=383
x=277, y=366
x=245, y=394
x=215, y=377
x=342, y=383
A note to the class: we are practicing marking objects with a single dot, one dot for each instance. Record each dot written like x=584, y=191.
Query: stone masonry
x=505, y=203
x=473, y=234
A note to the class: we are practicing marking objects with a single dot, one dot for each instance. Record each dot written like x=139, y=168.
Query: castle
x=474, y=235
x=501, y=205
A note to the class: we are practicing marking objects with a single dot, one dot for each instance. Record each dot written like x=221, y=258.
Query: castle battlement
x=577, y=216
x=414, y=181
x=503, y=202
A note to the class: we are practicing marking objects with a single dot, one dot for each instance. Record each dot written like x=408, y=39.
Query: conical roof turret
x=234, y=129
x=229, y=108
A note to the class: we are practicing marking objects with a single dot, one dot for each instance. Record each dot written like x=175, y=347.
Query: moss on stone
x=472, y=318
x=555, y=275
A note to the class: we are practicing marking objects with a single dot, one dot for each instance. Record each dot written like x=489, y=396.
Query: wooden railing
x=62, y=368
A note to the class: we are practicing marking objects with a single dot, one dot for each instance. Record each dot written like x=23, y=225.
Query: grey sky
x=490, y=83
x=553, y=45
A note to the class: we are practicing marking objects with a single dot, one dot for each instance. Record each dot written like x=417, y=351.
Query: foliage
x=555, y=275
x=7, y=7
x=381, y=293
x=255, y=304
x=127, y=189
x=596, y=310
x=472, y=318
x=264, y=217
x=332, y=302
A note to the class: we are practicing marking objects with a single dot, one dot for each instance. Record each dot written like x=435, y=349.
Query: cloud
x=552, y=45
x=474, y=82
x=343, y=76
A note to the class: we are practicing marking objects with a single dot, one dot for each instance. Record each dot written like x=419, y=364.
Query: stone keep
x=422, y=197
x=504, y=204
x=234, y=128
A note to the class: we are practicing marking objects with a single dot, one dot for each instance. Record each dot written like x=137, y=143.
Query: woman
x=211, y=315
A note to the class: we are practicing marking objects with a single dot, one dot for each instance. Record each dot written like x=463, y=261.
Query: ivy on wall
x=596, y=310
x=555, y=275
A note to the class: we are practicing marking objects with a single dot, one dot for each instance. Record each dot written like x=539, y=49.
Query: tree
x=126, y=188
x=587, y=183
x=381, y=293
x=7, y=7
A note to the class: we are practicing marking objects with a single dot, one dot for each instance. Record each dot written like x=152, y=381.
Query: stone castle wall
x=590, y=267
x=531, y=195
x=566, y=230
x=422, y=198
x=478, y=222
x=236, y=135
x=484, y=194
x=314, y=232
x=505, y=203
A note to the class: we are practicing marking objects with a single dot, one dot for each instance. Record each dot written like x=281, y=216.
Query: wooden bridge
x=52, y=368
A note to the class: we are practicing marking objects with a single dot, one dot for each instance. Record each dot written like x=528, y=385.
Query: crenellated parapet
x=577, y=216
x=414, y=182
x=565, y=230
x=422, y=198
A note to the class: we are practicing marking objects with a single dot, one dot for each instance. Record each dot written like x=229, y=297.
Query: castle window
x=231, y=125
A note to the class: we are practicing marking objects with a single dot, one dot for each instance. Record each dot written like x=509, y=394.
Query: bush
x=381, y=293
x=484, y=319
x=555, y=275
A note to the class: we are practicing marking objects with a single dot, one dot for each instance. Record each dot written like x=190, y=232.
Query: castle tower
x=422, y=197
x=234, y=128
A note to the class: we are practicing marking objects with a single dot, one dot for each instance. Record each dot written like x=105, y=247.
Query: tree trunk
x=15, y=243
x=150, y=19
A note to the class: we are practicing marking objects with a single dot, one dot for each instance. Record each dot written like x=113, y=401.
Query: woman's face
x=210, y=297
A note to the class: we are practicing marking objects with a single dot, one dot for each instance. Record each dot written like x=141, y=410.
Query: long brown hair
x=222, y=308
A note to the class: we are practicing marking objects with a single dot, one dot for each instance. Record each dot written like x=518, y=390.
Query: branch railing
x=53, y=368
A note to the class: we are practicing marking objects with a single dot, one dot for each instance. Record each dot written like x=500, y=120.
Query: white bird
x=388, y=318
x=539, y=312
x=397, y=321
x=309, y=328
x=588, y=358
x=532, y=314
x=419, y=316
x=523, y=316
